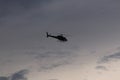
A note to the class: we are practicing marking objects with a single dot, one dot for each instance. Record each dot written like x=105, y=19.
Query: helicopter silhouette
x=59, y=37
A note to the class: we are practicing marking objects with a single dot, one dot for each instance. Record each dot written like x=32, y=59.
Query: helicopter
x=59, y=37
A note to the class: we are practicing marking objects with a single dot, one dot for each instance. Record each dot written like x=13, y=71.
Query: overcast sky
x=92, y=51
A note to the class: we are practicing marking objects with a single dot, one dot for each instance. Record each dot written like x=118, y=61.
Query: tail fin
x=47, y=34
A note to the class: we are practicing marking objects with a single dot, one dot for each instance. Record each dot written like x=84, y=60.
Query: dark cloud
x=105, y=59
x=22, y=3
x=3, y=78
x=53, y=59
x=8, y=7
x=88, y=21
x=20, y=75
x=101, y=68
x=52, y=66
x=53, y=54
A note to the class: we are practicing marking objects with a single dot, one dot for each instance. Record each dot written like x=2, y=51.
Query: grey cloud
x=52, y=59
x=75, y=16
x=8, y=7
x=20, y=75
x=105, y=59
x=101, y=68
x=57, y=54
x=3, y=78
x=52, y=66
x=23, y=3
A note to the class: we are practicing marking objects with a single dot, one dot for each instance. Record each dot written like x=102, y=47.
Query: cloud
x=53, y=59
x=105, y=59
x=48, y=60
x=52, y=66
x=8, y=7
x=6, y=4
x=101, y=68
x=20, y=75
x=66, y=16
x=3, y=78
x=53, y=54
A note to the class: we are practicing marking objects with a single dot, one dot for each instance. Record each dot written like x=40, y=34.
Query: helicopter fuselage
x=59, y=37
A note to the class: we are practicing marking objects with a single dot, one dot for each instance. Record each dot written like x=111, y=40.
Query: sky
x=92, y=51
